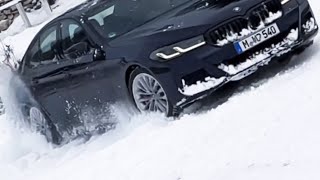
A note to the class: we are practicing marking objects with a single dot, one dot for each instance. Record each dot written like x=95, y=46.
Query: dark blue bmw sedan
x=158, y=55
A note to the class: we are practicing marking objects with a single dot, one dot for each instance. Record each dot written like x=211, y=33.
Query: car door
x=92, y=87
x=43, y=74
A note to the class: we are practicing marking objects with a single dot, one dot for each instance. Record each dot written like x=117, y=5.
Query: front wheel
x=148, y=94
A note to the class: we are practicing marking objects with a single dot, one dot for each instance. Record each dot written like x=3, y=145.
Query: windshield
x=120, y=16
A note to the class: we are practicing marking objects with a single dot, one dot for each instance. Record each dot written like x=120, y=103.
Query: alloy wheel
x=38, y=122
x=149, y=95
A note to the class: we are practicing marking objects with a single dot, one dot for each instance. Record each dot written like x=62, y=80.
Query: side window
x=43, y=51
x=74, y=40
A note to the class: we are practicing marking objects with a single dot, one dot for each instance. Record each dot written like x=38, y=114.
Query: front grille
x=236, y=29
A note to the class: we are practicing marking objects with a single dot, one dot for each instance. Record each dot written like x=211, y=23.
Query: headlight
x=283, y=2
x=175, y=50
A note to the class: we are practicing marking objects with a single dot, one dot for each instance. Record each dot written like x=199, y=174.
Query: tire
x=148, y=94
x=38, y=122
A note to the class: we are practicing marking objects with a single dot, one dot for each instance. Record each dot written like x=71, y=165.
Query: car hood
x=186, y=21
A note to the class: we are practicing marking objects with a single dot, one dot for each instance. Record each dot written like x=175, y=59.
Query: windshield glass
x=120, y=16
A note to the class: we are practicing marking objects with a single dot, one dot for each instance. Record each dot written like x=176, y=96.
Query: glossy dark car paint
x=65, y=91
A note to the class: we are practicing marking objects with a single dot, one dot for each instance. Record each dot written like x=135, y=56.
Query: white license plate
x=257, y=38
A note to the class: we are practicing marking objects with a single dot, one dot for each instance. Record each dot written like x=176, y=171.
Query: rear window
x=120, y=16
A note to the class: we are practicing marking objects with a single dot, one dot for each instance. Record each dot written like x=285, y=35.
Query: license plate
x=257, y=38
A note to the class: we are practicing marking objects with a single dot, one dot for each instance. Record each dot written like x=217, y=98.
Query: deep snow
x=267, y=128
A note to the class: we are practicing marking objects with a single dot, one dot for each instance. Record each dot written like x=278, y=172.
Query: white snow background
x=269, y=129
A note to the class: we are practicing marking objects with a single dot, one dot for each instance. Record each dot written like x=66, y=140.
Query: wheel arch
x=129, y=71
x=133, y=67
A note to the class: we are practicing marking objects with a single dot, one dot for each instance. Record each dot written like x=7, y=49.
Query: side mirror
x=99, y=54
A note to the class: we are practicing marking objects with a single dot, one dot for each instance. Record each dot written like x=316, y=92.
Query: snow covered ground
x=267, y=128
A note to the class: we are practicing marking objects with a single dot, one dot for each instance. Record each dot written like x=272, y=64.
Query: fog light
x=310, y=26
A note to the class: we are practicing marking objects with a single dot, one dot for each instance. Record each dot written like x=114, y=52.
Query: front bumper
x=208, y=68
x=204, y=88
